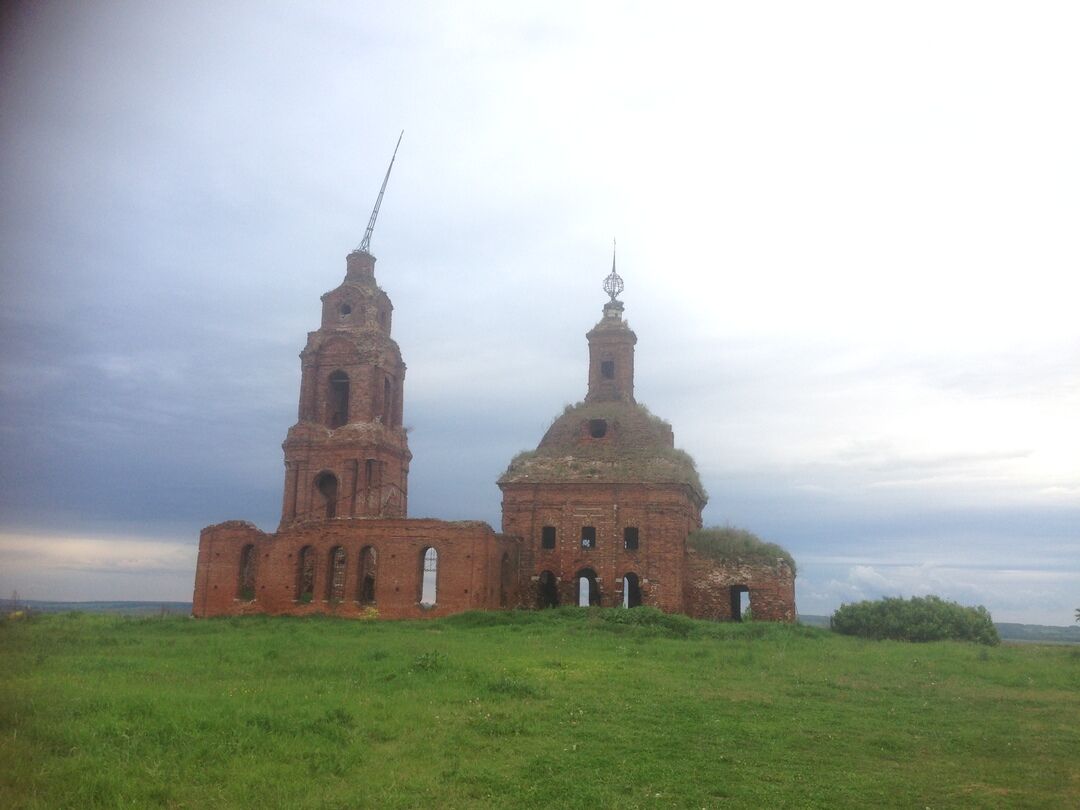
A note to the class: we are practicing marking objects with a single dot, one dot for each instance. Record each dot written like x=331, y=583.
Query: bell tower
x=611, y=349
x=348, y=455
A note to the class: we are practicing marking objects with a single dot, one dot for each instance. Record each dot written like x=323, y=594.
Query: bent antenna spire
x=365, y=245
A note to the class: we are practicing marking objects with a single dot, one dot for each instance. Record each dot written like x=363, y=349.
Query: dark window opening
x=382, y=318
x=305, y=575
x=246, y=585
x=337, y=400
x=588, y=537
x=737, y=600
x=598, y=428
x=607, y=369
x=368, y=572
x=547, y=537
x=327, y=486
x=631, y=594
x=630, y=538
x=547, y=591
x=345, y=310
x=429, y=578
x=588, y=588
x=335, y=582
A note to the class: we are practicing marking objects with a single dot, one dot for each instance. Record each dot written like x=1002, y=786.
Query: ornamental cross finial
x=613, y=284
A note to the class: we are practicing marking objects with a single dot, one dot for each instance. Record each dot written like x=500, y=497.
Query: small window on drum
x=598, y=428
x=345, y=310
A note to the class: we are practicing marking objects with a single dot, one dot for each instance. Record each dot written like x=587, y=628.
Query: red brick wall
x=663, y=515
x=709, y=584
x=469, y=570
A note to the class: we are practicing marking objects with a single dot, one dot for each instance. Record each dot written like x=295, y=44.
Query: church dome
x=611, y=441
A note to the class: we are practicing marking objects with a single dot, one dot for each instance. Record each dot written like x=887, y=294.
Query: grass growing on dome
x=731, y=542
x=643, y=452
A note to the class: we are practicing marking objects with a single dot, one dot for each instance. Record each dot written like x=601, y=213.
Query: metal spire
x=613, y=284
x=365, y=246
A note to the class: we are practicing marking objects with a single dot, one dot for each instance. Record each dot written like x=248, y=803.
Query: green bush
x=928, y=618
x=725, y=543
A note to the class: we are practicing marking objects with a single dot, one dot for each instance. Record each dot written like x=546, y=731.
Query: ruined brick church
x=601, y=513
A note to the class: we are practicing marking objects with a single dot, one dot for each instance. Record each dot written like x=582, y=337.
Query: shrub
x=728, y=542
x=928, y=618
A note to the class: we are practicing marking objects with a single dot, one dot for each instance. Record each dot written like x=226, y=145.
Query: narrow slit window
x=305, y=575
x=367, y=575
x=337, y=400
x=246, y=586
x=607, y=369
x=335, y=580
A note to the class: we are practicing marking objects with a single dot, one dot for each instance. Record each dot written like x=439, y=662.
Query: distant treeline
x=134, y=608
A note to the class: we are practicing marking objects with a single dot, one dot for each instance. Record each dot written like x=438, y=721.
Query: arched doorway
x=547, y=594
x=588, y=588
x=631, y=591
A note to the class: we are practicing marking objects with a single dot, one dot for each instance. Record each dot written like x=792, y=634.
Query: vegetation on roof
x=730, y=542
x=640, y=450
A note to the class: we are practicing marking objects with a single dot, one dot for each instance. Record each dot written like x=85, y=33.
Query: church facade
x=604, y=512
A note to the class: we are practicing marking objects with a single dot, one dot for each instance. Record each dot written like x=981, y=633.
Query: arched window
x=337, y=400
x=367, y=573
x=588, y=588
x=327, y=486
x=335, y=580
x=429, y=577
x=631, y=591
x=245, y=589
x=547, y=594
x=305, y=575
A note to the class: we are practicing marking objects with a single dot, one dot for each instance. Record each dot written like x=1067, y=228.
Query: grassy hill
x=570, y=708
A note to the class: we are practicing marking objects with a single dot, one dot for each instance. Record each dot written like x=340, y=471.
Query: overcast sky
x=848, y=233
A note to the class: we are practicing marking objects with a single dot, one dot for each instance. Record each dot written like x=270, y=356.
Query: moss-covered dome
x=605, y=442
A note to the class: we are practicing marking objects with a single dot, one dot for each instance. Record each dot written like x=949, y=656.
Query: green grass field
x=570, y=708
